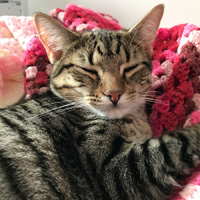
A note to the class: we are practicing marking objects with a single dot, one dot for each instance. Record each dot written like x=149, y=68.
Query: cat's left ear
x=145, y=30
x=55, y=37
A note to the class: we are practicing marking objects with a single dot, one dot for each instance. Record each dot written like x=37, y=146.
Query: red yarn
x=159, y=46
x=31, y=87
x=186, y=89
x=30, y=59
x=189, y=106
x=41, y=63
x=175, y=97
x=41, y=78
x=196, y=84
x=180, y=72
x=176, y=31
x=179, y=88
x=188, y=51
x=75, y=16
x=171, y=121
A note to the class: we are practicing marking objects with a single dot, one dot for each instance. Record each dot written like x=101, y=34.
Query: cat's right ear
x=53, y=36
x=145, y=30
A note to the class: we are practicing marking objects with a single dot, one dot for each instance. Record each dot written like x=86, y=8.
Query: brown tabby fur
x=89, y=137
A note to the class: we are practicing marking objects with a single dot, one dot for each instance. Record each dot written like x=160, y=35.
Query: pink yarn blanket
x=15, y=33
x=176, y=82
x=175, y=75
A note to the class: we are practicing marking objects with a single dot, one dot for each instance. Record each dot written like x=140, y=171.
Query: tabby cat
x=88, y=138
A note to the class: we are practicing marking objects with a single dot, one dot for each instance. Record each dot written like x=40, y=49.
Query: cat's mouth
x=120, y=110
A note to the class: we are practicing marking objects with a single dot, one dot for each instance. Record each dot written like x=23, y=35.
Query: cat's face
x=105, y=71
x=109, y=72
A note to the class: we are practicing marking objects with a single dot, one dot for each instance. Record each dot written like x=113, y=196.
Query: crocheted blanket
x=175, y=73
x=15, y=33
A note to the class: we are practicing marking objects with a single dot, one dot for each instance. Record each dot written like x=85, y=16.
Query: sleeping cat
x=89, y=138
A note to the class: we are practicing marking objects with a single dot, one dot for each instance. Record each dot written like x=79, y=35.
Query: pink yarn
x=15, y=32
x=22, y=28
x=189, y=28
x=177, y=102
x=12, y=45
x=163, y=33
x=173, y=75
x=156, y=67
x=169, y=55
x=73, y=12
x=195, y=117
x=31, y=72
x=49, y=69
x=167, y=68
x=194, y=38
x=196, y=99
x=80, y=19
x=36, y=46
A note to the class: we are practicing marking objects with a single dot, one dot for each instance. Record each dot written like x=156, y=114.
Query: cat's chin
x=114, y=113
x=119, y=111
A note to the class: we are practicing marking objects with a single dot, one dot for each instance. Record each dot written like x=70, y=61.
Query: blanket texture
x=175, y=73
x=15, y=33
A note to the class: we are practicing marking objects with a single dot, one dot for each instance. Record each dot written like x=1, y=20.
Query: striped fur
x=80, y=140
x=76, y=155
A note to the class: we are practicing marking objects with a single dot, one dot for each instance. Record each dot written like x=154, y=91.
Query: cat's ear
x=145, y=30
x=53, y=36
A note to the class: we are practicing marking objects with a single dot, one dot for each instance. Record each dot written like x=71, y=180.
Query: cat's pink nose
x=114, y=96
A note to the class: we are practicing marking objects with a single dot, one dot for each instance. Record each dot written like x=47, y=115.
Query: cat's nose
x=114, y=96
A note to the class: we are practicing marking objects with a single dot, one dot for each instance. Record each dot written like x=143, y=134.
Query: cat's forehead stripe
x=99, y=50
x=90, y=58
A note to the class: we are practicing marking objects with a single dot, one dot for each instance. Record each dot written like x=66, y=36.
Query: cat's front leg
x=135, y=129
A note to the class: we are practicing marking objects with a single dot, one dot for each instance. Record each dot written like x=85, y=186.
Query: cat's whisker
x=48, y=104
x=51, y=110
x=60, y=101
x=156, y=101
x=69, y=109
x=152, y=92
x=152, y=98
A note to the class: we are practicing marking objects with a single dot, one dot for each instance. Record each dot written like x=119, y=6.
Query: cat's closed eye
x=129, y=69
x=91, y=72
